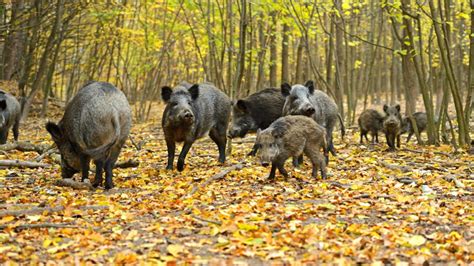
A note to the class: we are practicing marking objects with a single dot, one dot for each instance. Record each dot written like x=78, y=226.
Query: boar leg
x=398, y=140
x=282, y=170
x=16, y=130
x=182, y=155
x=409, y=136
x=220, y=139
x=254, y=150
x=85, y=161
x=109, y=165
x=362, y=137
x=171, y=145
x=3, y=136
x=376, y=137
x=272, y=171
x=297, y=160
x=99, y=169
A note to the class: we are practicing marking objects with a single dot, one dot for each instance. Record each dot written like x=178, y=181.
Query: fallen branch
x=46, y=153
x=138, y=146
x=217, y=176
x=31, y=226
x=24, y=164
x=69, y=182
x=25, y=146
x=402, y=168
x=205, y=220
x=40, y=210
x=422, y=152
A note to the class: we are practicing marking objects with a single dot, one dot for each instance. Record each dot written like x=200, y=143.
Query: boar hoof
x=169, y=167
x=109, y=186
x=180, y=167
x=96, y=183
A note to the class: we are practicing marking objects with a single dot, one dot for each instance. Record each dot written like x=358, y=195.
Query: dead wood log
x=40, y=210
x=32, y=226
x=23, y=164
x=217, y=176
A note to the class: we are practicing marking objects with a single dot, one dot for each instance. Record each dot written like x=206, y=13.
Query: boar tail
x=104, y=148
x=343, y=129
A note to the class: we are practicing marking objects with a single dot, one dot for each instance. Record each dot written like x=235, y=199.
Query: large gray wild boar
x=190, y=114
x=256, y=111
x=95, y=126
x=291, y=136
x=306, y=100
x=10, y=115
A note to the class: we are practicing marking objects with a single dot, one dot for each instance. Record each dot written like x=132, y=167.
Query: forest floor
x=414, y=205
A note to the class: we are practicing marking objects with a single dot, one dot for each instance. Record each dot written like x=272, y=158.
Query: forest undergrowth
x=414, y=205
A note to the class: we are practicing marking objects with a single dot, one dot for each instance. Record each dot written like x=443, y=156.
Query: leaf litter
x=375, y=206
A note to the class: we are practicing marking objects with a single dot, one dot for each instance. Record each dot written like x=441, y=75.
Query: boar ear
x=397, y=107
x=194, y=90
x=166, y=93
x=278, y=132
x=385, y=107
x=259, y=131
x=285, y=89
x=310, y=85
x=55, y=131
x=3, y=105
x=242, y=105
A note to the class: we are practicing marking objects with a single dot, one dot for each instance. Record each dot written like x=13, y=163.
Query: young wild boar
x=95, y=126
x=10, y=114
x=392, y=125
x=305, y=100
x=190, y=114
x=421, y=122
x=257, y=111
x=291, y=136
x=371, y=121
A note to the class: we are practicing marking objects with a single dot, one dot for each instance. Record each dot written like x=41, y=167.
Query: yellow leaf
x=247, y=227
x=126, y=257
x=7, y=219
x=34, y=218
x=175, y=250
x=47, y=243
x=416, y=240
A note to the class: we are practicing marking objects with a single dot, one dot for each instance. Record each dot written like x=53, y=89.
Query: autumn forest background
x=414, y=205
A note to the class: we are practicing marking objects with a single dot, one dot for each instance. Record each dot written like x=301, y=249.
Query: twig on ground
x=217, y=176
x=421, y=152
x=24, y=164
x=39, y=210
x=43, y=225
x=46, y=153
x=25, y=146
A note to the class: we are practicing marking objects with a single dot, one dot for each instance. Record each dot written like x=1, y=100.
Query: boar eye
x=173, y=104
